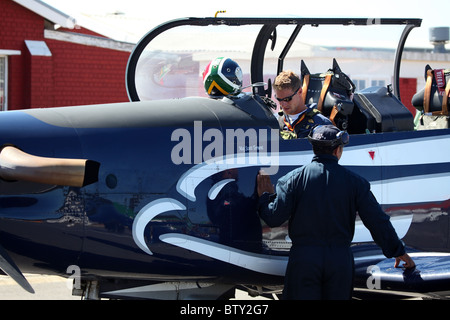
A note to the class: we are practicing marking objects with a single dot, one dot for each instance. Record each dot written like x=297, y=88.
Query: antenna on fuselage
x=220, y=11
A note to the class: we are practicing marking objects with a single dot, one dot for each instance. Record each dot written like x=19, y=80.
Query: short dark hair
x=323, y=150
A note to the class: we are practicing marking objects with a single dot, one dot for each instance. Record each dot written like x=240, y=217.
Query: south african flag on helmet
x=222, y=77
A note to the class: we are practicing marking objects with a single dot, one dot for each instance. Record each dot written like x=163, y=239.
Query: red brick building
x=46, y=60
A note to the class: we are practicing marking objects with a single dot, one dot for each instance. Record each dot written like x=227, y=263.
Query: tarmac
x=47, y=287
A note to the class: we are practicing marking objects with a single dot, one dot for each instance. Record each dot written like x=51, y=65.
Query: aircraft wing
x=431, y=274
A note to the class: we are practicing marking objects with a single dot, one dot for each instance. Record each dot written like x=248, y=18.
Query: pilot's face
x=291, y=102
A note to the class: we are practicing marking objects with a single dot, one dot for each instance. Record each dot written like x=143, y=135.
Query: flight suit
x=301, y=127
x=321, y=201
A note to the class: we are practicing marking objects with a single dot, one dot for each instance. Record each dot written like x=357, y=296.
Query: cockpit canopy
x=169, y=61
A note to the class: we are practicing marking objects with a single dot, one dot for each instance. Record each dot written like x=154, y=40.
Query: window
x=364, y=83
x=378, y=83
x=360, y=84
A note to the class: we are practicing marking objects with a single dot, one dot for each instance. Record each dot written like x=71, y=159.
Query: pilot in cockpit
x=296, y=119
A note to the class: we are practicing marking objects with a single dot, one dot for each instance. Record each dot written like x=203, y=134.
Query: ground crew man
x=321, y=200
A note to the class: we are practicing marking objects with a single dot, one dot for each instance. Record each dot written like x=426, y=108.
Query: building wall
x=87, y=75
x=16, y=25
x=74, y=74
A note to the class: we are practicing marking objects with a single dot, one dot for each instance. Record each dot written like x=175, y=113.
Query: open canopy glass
x=169, y=61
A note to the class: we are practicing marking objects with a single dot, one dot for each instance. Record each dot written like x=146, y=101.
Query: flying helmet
x=222, y=77
x=327, y=136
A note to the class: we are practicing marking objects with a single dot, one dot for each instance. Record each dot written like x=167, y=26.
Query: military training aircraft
x=155, y=198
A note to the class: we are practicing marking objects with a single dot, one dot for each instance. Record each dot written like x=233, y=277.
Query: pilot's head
x=325, y=139
x=288, y=91
x=222, y=77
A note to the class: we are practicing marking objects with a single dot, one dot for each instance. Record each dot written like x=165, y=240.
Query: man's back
x=325, y=208
x=321, y=201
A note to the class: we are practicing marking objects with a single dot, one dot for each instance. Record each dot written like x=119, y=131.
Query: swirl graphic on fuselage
x=146, y=215
x=390, y=190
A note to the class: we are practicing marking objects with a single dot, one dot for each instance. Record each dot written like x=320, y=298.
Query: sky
x=151, y=13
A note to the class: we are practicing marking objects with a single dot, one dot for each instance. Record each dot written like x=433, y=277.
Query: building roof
x=48, y=12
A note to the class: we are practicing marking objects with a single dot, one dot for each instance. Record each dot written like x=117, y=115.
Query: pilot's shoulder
x=323, y=119
x=317, y=116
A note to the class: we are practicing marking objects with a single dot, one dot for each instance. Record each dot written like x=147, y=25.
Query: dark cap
x=327, y=136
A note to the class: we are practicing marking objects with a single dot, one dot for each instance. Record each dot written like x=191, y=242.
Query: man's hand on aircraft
x=408, y=261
